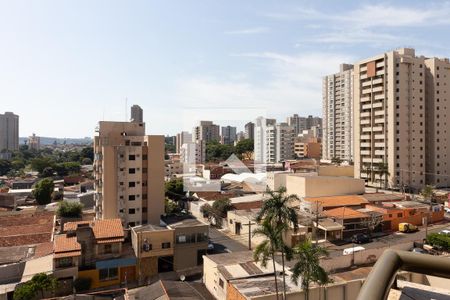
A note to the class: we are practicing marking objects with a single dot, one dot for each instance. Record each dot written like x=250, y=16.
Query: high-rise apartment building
x=401, y=116
x=34, y=142
x=182, y=138
x=249, y=130
x=313, y=121
x=298, y=123
x=192, y=153
x=228, y=135
x=129, y=173
x=337, y=97
x=274, y=142
x=9, y=131
x=207, y=131
x=137, y=114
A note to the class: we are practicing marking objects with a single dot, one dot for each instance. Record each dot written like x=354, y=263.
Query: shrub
x=69, y=209
x=439, y=240
x=43, y=191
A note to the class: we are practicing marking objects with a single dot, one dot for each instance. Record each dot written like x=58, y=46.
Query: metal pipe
x=383, y=274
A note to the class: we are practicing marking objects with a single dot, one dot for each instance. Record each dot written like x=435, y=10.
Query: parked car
x=361, y=238
x=445, y=231
x=352, y=250
x=210, y=246
x=407, y=227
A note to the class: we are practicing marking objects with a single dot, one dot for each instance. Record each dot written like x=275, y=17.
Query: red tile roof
x=335, y=201
x=344, y=213
x=65, y=246
x=102, y=229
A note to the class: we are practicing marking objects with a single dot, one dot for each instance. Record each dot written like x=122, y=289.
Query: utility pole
x=249, y=233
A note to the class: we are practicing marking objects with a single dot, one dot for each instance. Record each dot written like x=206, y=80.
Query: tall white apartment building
x=274, y=142
x=401, y=119
x=182, y=138
x=337, y=105
x=192, y=153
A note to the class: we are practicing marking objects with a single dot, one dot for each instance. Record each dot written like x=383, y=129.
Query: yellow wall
x=95, y=281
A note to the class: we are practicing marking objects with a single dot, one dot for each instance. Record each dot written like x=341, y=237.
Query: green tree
x=47, y=172
x=40, y=282
x=40, y=163
x=244, y=146
x=277, y=210
x=175, y=189
x=427, y=192
x=61, y=169
x=86, y=161
x=5, y=166
x=218, y=152
x=267, y=249
x=366, y=169
x=171, y=207
x=383, y=171
x=222, y=206
x=43, y=191
x=87, y=152
x=70, y=209
x=308, y=266
x=24, y=291
x=336, y=160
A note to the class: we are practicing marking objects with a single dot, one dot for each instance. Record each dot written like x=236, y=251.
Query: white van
x=351, y=250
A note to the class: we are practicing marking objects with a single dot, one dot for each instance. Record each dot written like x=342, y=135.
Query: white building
x=192, y=153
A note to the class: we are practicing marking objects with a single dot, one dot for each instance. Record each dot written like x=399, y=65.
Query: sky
x=65, y=65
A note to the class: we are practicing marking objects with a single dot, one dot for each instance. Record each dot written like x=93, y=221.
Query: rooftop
x=334, y=201
x=66, y=246
x=164, y=289
x=344, y=213
x=102, y=229
x=232, y=258
x=149, y=227
x=374, y=197
x=179, y=222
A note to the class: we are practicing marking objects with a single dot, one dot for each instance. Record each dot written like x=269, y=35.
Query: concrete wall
x=336, y=171
x=211, y=278
x=276, y=179
x=155, y=173
x=320, y=186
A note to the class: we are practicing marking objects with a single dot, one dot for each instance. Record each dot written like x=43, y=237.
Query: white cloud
x=245, y=31
x=295, y=85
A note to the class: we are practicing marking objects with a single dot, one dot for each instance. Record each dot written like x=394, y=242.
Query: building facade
x=9, y=131
x=228, y=135
x=193, y=153
x=337, y=97
x=137, y=114
x=129, y=173
x=400, y=119
x=34, y=142
x=206, y=131
x=182, y=138
x=249, y=130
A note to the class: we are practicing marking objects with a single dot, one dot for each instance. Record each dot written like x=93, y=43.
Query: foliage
x=70, y=209
x=174, y=188
x=441, y=241
x=308, y=266
x=218, y=152
x=336, y=160
x=171, y=207
x=87, y=152
x=366, y=169
x=383, y=171
x=47, y=172
x=40, y=163
x=66, y=168
x=5, y=166
x=39, y=283
x=43, y=191
x=222, y=206
x=244, y=146
x=169, y=148
x=82, y=284
x=86, y=161
x=427, y=192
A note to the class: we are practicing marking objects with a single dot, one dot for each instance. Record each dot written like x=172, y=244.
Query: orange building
x=412, y=212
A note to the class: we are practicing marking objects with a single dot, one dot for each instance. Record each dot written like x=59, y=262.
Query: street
x=223, y=243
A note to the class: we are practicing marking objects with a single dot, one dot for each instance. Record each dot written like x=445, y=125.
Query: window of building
x=131, y=224
x=127, y=143
x=400, y=215
x=64, y=262
x=107, y=249
x=202, y=237
x=108, y=274
x=165, y=245
x=131, y=184
x=144, y=209
x=131, y=211
x=131, y=197
x=131, y=157
x=131, y=171
x=181, y=239
x=121, y=183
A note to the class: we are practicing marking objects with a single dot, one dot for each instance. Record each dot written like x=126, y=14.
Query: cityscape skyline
x=243, y=57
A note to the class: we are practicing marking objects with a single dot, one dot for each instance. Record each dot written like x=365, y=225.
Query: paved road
x=223, y=243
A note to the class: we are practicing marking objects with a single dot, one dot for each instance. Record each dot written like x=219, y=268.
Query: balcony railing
x=383, y=274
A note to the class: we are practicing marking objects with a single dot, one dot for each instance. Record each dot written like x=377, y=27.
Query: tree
x=86, y=161
x=222, y=206
x=244, y=147
x=268, y=248
x=336, y=160
x=366, y=169
x=40, y=163
x=87, y=152
x=43, y=191
x=5, y=166
x=218, y=152
x=308, y=266
x=70, y=209
x=175, y=189
x=40, y=282
x=427, y=192
x=171, y=207
x=277, y=211
x=47, y=172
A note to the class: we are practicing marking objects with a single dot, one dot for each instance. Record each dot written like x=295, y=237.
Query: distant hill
x=59, y=141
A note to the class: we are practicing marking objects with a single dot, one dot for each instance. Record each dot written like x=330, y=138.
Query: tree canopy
x=39, y=283
x=69, y=209
x=43, y=191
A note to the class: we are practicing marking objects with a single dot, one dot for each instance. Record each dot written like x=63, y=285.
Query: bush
x=441, y=241
x=70, y=209
x=43, y=191
x=82, y=284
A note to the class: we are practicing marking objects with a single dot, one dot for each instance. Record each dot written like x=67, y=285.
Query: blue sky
x=64, y=65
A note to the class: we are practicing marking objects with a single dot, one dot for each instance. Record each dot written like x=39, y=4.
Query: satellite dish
x=182, y=278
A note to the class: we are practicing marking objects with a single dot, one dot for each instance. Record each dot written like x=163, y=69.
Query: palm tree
x=366, y=169
x=308, y=265
x=268, y=247
x=383, y=170
x=276, y=210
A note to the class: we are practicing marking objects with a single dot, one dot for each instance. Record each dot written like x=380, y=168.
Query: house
x=352, y=220
x=315, y=205
x=166, y=289
x=96, y=250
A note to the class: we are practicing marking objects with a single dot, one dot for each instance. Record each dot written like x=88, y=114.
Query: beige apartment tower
x=129, y=173
x=337, y=97
x=206, y=131
x=401, y=116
